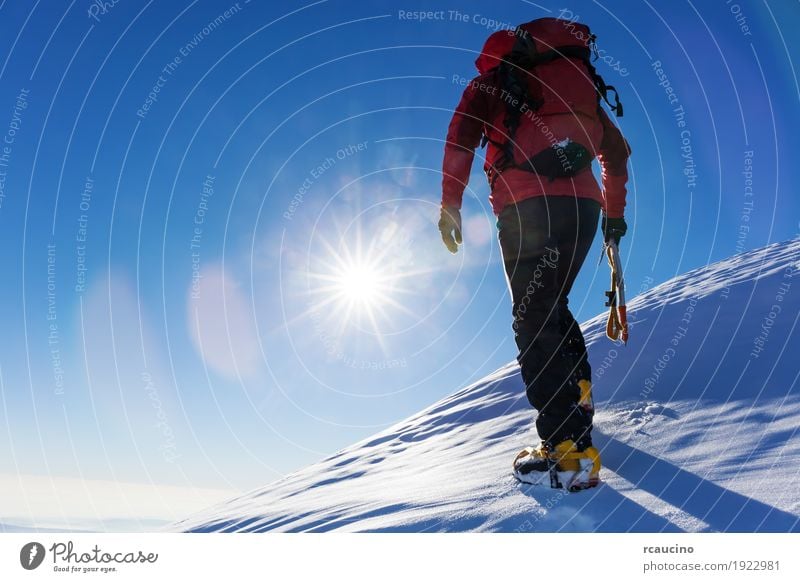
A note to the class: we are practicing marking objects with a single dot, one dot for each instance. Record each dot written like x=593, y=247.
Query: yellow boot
x=578, y=470
x=567, y=456
x=593, y=456
x=532, y=459
x=560, y=466
x=533, y=465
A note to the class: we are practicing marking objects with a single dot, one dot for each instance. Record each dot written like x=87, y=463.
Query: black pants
x=544, y=241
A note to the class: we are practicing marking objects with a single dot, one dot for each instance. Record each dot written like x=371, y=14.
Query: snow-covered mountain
x=697, y=423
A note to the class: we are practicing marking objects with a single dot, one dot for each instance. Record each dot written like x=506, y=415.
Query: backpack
x=548, y=122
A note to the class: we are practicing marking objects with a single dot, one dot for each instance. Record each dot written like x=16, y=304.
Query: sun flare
x=359, y=288
x=366, y=280
x=362, y=284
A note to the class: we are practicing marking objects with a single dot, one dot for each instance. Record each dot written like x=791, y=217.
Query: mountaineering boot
x=534, y=465
x=577, y=470
x=560, y=466
x=590, y=470
x=566, y=456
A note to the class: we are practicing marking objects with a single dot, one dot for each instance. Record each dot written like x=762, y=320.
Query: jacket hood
x=496, y=47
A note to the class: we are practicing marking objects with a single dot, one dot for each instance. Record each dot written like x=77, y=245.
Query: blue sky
x=197, y=182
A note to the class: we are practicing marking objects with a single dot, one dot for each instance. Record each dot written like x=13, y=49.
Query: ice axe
x=617, y=325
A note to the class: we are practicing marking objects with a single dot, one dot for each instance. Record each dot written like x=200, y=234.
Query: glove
x=450, y=227
x=614, y=229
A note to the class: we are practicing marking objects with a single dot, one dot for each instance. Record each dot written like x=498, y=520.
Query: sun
x=361, y=284
x=364, y=280
x=356, y=286
x=360, y=287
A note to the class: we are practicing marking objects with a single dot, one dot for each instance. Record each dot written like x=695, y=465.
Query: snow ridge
x=697, y=424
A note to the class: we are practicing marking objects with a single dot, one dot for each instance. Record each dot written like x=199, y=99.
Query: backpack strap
x=599, y=82
x=603, y=89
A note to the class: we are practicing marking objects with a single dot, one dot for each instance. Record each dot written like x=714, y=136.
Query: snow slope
x=698, y=431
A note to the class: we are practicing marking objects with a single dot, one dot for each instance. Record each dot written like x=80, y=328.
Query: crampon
x=560, y=467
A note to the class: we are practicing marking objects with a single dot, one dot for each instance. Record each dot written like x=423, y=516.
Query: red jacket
x=482, y=110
